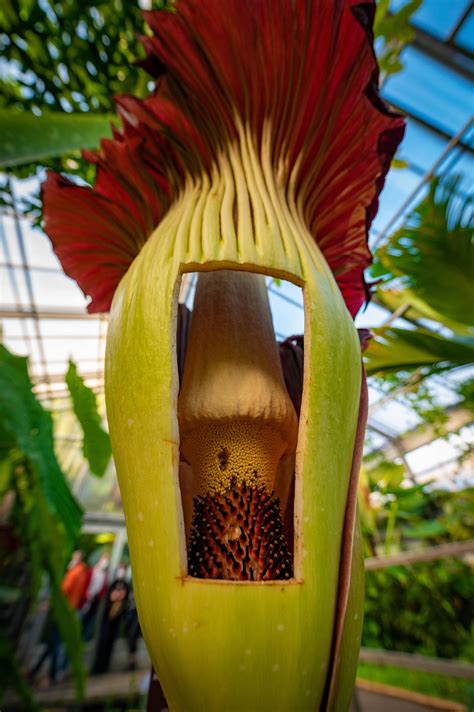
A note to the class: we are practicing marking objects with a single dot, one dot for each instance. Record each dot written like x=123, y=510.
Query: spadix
x=238, y=429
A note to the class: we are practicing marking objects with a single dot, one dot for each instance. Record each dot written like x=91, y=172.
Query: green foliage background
x=425, y=608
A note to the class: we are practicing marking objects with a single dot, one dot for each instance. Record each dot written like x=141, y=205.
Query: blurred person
x=115, y=606
x=132, y=629
x=76, y=580
x=51, y=651
x=74, y=586
x=95, y=593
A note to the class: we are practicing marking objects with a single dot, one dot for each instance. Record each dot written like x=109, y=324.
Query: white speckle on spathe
x=307, y=693
x=130, y=422
x=242, y=668
x=275, y=667
x=151, y=543
x=306, y=520
x=356, y=616
x=305, y=672
x=185, y=628
x=323, y=665
x=280, y=627
x=173, y=632
x=248, y=652
x=163, y=620
x=140, y=517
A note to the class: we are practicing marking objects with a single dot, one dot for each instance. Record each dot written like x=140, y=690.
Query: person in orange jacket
x=76, y=580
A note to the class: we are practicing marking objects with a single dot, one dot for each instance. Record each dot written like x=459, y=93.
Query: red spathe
x=304, y=67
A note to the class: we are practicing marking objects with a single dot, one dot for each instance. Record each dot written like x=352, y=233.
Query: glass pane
x=465, y=36
x=430, y=90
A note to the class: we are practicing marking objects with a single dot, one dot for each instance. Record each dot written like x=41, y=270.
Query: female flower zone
x=261, y=151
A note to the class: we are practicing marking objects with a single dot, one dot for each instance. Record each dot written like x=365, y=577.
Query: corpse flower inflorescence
x=262, y=149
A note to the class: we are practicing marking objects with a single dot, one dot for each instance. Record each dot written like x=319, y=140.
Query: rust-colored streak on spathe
x=348, y=536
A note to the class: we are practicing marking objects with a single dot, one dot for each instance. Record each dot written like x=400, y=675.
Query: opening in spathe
x=238, y=407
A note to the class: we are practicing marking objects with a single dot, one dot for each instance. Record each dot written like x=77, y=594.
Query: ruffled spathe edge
x=305, y=66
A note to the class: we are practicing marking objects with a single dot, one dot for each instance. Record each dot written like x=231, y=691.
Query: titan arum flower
x=261, y=152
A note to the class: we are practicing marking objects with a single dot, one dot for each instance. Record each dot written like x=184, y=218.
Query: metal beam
x=450, y=55
x=65, y=313
x=401, y=445
x=453, y=668
x=452, y=35
x=423, y=121
x=458, y=417
x=98, y=522
x=29, y=268
x=440, y=131
x=431, y=553
x=426, y=178
x=59, y=378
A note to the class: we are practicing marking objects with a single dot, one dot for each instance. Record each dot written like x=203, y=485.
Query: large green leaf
x=70, y=56
x=27, y=427
x=394, y=349
x=96, y=443
x=10, y=677
x=430, y=260
x=27, y=138
x=43, y=514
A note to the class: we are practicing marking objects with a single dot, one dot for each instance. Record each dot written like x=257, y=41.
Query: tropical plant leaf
x=394, y=299
x=399, y=163
x=387, y=474
x=64, y=615
x=46, y=549
x=72, y=57
x=96, y=444
x=395, y=31
x=432, y=258
x=43, y=514
x=26, y=426
x=11, y=677
x=394, y=349
x=27, y=138
x=425, y=529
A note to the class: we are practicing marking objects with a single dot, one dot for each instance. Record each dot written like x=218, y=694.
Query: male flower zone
x=261, y=151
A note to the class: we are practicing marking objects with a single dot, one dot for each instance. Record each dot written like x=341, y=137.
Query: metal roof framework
x=44, y=316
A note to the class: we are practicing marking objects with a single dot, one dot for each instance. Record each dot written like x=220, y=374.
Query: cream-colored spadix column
x=236, y=418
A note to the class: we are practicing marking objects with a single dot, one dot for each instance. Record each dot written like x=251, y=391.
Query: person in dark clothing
x=95, y=594
x=132, y=630
x=74, y=586
x=115, y=605
x=52, y=650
